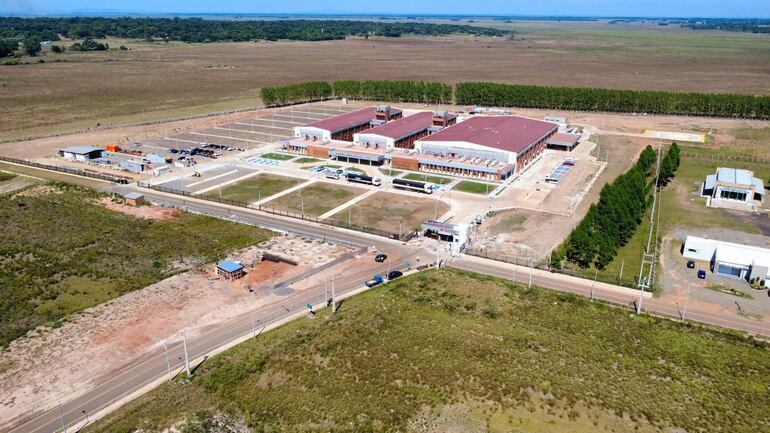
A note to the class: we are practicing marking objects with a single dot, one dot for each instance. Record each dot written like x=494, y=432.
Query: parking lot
x=247, y=134
x=199, y=182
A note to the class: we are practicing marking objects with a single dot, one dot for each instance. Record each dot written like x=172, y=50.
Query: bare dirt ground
x=94, y=342
x=15, y=184
x=144, y=212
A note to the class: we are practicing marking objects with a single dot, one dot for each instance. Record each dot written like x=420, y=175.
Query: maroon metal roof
x=562, y=138
x=405, y=126
x=346, y=121
x=510, y=133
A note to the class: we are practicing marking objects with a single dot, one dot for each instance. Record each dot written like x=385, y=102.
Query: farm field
x=161, y=80
x=93, y=254
x=255, y=188
x=315, y=199
x=432, y=351
x=388, y=212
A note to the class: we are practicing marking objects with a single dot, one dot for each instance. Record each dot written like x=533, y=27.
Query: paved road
x=153, y=365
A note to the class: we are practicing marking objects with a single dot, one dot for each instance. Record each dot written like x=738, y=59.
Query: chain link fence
x=69, y=170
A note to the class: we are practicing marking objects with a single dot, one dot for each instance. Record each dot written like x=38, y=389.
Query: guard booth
x=456, y=235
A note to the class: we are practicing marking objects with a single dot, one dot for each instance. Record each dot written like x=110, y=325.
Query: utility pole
x=530, y=274
x=649, y=257
x=61, y=416
x=334, y=298
x=253, y=326
x=620, y=276
x=168, y=363
x=186, y=357
x=684, y=308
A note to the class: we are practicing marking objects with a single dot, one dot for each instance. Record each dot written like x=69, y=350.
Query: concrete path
x=284, y=192
x=347, y=204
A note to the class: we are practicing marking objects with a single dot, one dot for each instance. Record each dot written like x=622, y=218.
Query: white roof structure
x=736, y=177
x=81, y=150
x=737, y=254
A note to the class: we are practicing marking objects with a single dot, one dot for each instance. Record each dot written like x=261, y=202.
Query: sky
x=594, y=8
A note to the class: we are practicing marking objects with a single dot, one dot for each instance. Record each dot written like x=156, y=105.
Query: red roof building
x=343, y=127
x=506, y=139
x=401, y=133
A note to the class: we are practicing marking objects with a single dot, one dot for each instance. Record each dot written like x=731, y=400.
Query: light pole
x=168, y=363
x=253, y=326
x=530, y=274
x=334, y=298
x=186, y=357
x=61, y=416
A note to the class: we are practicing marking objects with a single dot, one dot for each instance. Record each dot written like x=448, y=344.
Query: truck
x=413, y=185
x=333, y=174
x=362, y=178
x=374, y=281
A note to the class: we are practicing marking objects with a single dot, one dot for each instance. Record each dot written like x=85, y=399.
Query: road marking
x=211, y=178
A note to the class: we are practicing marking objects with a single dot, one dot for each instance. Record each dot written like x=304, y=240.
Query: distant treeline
x=200, y=30
x=727, y=24
x=507, y=95
x=394, y=91
x=611, y=222
x=613, y=100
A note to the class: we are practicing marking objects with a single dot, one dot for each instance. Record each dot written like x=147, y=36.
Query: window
x=732, y=194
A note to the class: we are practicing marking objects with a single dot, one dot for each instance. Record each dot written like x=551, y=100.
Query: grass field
x=390, y=212
x=455, y=351
x=306, y=160
x=278, y=156
x=4, y=176
x=255, y=188
x=474, y=187
x=424, y=177
x=61, y=253
x=316, y=199
x=176, y=79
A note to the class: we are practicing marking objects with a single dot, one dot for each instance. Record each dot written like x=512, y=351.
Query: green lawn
x=278, y=156
x=60, y=253
x=255, y=188
x=316, y=199
x=438, y=180
x=390, y=172
x=474, y=187
x=462, y=352
x=306, y=160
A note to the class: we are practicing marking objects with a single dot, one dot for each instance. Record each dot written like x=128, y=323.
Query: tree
x=32, y=45
x=8, y=47
x=57, y=49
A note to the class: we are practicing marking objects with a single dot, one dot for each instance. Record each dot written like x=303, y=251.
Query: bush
x=57, y=49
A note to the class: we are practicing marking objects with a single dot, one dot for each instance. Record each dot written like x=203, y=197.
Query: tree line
x=558, y=98
x=200, y=30
x=611, y=222
x=613, y=100
x=395, y=91
x=301, y=92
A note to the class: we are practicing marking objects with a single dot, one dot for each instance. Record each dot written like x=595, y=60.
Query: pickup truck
x=376, y=281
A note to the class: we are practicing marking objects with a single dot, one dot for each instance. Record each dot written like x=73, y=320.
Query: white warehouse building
x=729, y=259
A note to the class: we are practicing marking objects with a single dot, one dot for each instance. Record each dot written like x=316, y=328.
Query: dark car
x=172, y=150
x=394, y=274
x=379, y=258
x=691, y=265
x=702, y=274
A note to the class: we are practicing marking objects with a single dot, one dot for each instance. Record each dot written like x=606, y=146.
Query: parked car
x=379, y=258
x=691, y=264
x=394, y=274
x=702, y=274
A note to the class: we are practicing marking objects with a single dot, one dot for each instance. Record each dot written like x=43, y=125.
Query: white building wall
x=382, y=141
x=302, y=131
x=464, y=148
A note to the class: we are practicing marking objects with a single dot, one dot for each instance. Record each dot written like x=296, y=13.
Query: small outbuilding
x=734, y=188
x=81, y=153
x=230, y=269
x=133, y=198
